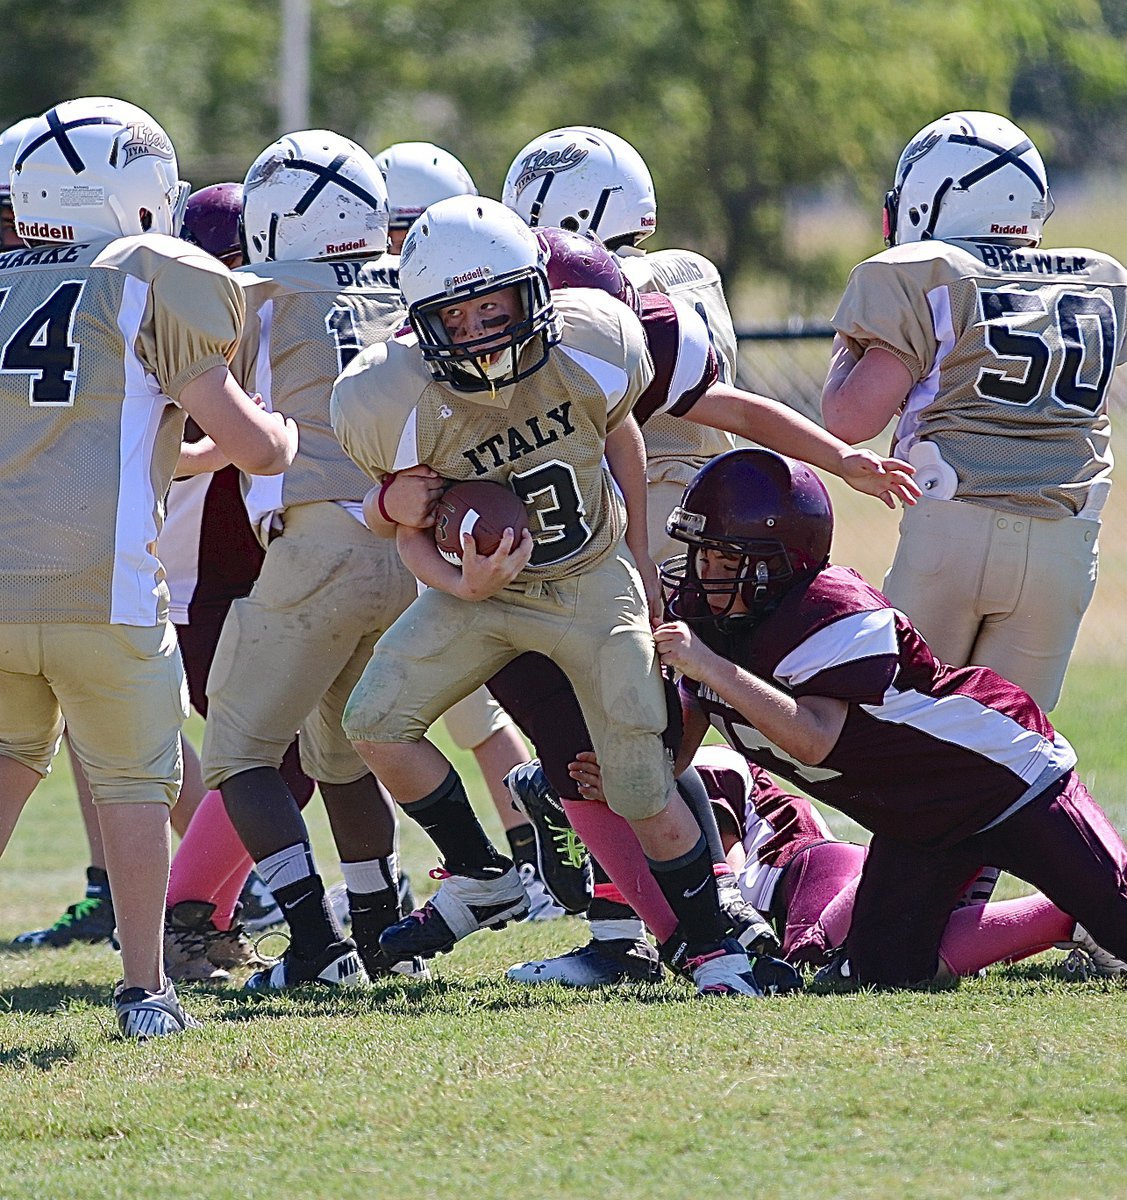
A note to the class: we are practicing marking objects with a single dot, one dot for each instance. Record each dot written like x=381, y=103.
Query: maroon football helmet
x=211, y=221
x=771, y=511
x=582, y=261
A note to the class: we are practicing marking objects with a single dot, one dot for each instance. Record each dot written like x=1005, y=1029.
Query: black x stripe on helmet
x=313, y=195
x=968, y=175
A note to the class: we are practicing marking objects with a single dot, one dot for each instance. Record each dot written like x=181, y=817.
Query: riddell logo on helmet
x=1009, y=228
x=344, y=247
x=468, y=276
x=42, y=231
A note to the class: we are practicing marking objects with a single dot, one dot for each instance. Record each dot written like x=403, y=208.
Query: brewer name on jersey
x=1032, y=262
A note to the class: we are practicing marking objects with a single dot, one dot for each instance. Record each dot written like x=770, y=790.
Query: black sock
x=301, y=898
x=695, y=795
x=372, y=913
x=688, y=884
x=97, y=884
x=602, y=909
x=522, y=842
x=447, y=818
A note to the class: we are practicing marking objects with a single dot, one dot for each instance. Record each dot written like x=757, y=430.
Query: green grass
x=1011, y=1085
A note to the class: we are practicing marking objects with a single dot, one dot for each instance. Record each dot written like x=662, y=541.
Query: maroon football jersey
x=685, y=364
x=774, y=825
x=929, y=754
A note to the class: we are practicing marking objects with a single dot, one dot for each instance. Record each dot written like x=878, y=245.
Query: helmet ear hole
x=570, y=224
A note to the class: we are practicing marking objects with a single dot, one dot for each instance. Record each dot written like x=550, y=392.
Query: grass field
x=1014, y=1084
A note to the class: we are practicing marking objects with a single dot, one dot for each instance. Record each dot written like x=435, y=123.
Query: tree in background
x=735, y=104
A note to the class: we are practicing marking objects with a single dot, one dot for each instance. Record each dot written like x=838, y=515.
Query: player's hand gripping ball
x=481, y=508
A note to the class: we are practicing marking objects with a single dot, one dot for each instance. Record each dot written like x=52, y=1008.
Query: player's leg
x=901, y=908
x=623, y=701
x=813, y=901
x=479, y=724
x=327, y=586
x=937, y=573
x=122, y=692
x=1065, y=846
x=1030, y=639
x=980, y=935
x=439, y=651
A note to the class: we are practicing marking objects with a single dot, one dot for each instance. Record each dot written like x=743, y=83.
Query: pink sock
x=210, y=863
x=1006, y=931
x=611, y=840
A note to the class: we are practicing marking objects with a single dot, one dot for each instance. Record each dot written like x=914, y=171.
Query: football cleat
x=542, y=905
x=837, y=975
x=487, y=899
x=1089, y=960
x=562, y=861
x=195, y=950
x=142, y=1015
x=723, y=971
x=258, y=910
x=598, y=964
x=745, y=922
x=338, y=965
x=379, y=965
x=91, y=920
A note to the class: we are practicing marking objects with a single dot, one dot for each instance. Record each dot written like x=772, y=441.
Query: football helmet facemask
x=585, y=180
x=419, y=174
x=771, y=513
x=211, y=221
x=968, y=175
x=464, y=248
x=96, y=167
x=313, y=195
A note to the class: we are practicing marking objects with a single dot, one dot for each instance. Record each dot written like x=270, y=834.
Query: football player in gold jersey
x=499, y=381
x=111, y=329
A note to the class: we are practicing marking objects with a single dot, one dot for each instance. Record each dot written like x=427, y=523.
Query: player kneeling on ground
x=811, y=673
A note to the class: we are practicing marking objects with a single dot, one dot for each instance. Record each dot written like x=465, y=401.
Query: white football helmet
x=96, y=167
x=10, y=139
x=968, y=175
x=417, y=175
x=463, y=248
x=312, y=195
x=585, y=180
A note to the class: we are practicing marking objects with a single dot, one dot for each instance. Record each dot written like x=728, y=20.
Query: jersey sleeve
x=197, y=312
x=854, y=658
x=637, y=364
x=884, y=306
x=685, y=364
x=371, y=407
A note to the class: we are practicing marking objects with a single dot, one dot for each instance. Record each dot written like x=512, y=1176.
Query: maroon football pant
x=1062, y=843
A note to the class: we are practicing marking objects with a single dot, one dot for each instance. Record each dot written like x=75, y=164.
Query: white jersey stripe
x=134, y=596
x=613, y=380
x=925, y=392
x=692, y=353
x=857, y=636
x=263, y=493
x=963, y=721
x=180, y=542
x=407, y=452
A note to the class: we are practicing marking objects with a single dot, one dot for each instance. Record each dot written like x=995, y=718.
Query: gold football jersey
x=544, y=436
x=96, y=343
x=1011, y=352
x=693, y=280
x=306, y=321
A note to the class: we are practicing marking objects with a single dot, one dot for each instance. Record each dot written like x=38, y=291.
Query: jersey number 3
x=44, y=348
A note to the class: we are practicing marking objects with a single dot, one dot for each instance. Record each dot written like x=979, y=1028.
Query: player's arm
x=778, y=427
x=861, y=395
x=405, y=498
x=480, y=575
x=626, y=456
x=199, y=458
x=806, y=727
x=256, y=441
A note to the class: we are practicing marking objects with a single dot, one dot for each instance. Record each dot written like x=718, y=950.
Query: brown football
x=481, y=508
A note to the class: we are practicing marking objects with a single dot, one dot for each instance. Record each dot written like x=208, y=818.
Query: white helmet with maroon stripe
x=417, y=175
